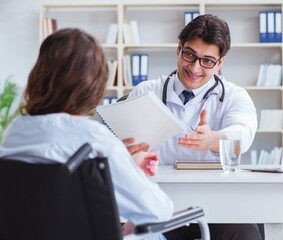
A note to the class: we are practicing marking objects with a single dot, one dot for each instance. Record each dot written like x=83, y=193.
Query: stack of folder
x=139, y=68
x=270, y=26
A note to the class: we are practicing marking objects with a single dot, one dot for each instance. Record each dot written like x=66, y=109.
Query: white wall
x=19, y=33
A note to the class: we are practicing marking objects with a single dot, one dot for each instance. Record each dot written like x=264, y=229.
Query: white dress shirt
x=236, y=113
x=55, y=137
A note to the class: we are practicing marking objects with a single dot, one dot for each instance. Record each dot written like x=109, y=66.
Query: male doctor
x=207, y=104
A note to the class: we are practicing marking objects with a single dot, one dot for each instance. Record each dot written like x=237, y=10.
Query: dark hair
x=69, y=75
x=210, y=29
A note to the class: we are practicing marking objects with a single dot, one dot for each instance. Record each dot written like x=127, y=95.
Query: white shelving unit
x=160, y=24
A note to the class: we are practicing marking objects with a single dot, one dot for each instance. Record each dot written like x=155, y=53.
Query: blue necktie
x=187, y=95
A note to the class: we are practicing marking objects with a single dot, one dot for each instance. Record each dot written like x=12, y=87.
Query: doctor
x=216, y=104
x=211, y=105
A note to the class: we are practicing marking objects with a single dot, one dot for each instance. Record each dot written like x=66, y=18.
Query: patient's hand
x=147, y=161
x=128, y=228
x=135, y=148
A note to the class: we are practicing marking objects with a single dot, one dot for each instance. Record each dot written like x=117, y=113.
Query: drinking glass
x=230, y=151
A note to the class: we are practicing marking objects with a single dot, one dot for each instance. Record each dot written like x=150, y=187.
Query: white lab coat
x=236, y=112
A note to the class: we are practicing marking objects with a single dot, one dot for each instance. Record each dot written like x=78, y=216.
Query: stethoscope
x=208, y=93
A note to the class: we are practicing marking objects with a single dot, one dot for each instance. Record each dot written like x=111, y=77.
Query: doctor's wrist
x=215, y=142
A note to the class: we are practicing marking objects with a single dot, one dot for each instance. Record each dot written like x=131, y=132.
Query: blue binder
x=278, y=26
x=189, y=16
x=144, y=67
x=136, y=77
x=139, y=68
x=263, y=27
x=271, y=26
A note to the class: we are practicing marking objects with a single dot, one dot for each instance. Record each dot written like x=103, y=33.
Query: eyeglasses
x=204, y=62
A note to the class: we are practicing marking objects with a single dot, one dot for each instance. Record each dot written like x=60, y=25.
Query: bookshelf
x=242, y=62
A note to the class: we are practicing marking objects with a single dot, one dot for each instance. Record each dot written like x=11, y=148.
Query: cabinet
x=160, y=24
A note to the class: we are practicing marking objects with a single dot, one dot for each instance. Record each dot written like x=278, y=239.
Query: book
x=127, y=71
x=144, y=118
x=127, y=33
x=273, y=76
x=112, y=68
x=269, y=75
x=271, y=119
x=197, y=165
x=49, y=26
x=134, y=26
x=112, y=33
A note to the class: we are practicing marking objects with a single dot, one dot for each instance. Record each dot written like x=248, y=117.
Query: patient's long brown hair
x=69, y=75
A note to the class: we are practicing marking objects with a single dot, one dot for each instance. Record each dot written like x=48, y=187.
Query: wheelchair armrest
x=181, y=218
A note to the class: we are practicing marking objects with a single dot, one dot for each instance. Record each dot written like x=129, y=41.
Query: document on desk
x=263, y=168
x=197, y=165
x=144, y=118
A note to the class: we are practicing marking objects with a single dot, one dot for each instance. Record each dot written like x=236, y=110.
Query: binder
x=188, y=16
x=278, y=27
x=195, y=14
x=144, y=67
x=136, y=78
x=263, y=27
x=270, y=27
x=106, y=100
x=109, y=100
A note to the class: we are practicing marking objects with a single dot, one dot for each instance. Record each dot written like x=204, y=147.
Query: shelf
x=159, y=26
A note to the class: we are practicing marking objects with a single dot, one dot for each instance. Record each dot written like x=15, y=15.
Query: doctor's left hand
x=203, y=139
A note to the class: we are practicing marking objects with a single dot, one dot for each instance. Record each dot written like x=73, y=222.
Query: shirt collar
x=179, y=87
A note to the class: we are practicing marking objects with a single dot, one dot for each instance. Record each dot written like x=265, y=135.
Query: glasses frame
x=199, y=59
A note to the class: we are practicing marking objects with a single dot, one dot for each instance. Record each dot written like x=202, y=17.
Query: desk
x=242, y=197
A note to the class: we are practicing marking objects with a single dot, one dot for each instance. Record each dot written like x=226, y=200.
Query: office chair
x=69, y=202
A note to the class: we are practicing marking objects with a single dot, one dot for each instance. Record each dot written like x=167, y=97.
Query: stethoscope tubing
x=217, y=80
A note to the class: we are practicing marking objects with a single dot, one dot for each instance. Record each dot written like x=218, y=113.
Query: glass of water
x=230, y=151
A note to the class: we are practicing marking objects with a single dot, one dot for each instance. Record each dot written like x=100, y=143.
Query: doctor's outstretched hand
x=203, y=139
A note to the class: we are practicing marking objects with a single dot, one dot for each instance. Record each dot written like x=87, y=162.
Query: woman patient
x=67, y=82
